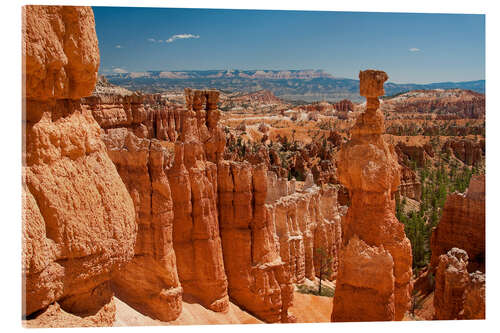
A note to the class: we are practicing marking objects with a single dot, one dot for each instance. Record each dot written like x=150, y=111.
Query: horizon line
x=276, y=70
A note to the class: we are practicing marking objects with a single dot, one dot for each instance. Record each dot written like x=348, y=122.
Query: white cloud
x=181, y=36
x=118, y=46
x=119, y=70
x=152, y=40
x=414, y=49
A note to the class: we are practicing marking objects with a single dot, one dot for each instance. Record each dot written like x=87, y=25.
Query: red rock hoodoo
x=149, y=282
x=458, y=294
x=373, y=282
x=258, y=279
x=78, y=222
x=161, y=152
x=193, y=180
x=410, y=185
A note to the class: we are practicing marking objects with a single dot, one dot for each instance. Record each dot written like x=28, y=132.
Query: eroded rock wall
x=468, y=151
x=78, y=218
x=258, y=278
x=149, y=282
x=410, y=185
x=193, y=180
x=161, y=152
x=308, y=228
x=123, y=194
x=270, y=233
x=475, y=297
x=462, y=225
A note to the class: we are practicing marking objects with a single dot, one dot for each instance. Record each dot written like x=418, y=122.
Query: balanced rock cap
x=371, y=83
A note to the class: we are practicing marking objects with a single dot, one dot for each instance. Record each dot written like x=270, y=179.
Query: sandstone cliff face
x=420, y=154
x=458, y=294
x=149, y=282
x=161, y=153
x=60, y=52
x=368, y=168
x=369, y=295
x=451, y=281
x=258, y=279
x=79, y=222
x=306, y=222
x=270, y=233
x=193, y=180
x=462, y=225
x=468, y=151
x=124, y=194
x=410, y=185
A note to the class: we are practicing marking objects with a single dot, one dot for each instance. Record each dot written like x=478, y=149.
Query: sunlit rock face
x=161, y=152
x=368, y=167
x=258, y=279
x=79, y=223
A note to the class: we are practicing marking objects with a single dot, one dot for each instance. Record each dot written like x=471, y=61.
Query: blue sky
x=411, y=48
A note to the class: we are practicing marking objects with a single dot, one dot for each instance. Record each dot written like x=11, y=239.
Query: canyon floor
x=306, y=308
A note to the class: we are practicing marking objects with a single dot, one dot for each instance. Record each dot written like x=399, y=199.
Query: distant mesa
x=307, y=85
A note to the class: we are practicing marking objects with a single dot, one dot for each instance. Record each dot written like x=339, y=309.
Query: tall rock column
x=134, y=133
x=258, y=279
x=451, y=281
x=149, y=283
x=193, y=184
x=373, y=282
x=458, y=294
x=78, y=218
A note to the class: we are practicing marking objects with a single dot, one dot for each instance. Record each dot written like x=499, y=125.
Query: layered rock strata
x=419, y=154
x=78, y=217
x=462, y=225
x=380, y=288
x=134, y=135
x=149, y=282
x=161, y=153
x=131, y=204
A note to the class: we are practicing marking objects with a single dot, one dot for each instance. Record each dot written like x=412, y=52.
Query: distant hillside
x=306, y=85
x=456, y=102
